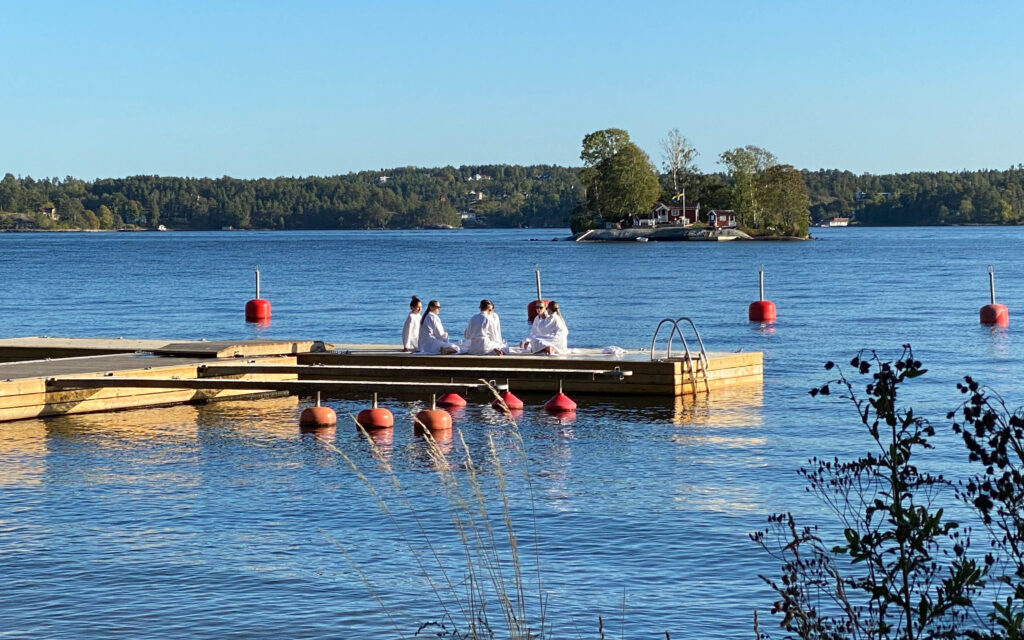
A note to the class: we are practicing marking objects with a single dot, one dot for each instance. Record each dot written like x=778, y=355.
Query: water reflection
x=999, y=345
x=730, y=407
x=763, y=328
x=22, y=453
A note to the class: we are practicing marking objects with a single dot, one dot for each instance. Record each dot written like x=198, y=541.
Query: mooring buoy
x=993, y=314
x=433, y=420
x=257, y=309
x=560, y=403
x=507, y=399
x=375, y=417
x=317, y=416
x=451, y=400
x=761, y=310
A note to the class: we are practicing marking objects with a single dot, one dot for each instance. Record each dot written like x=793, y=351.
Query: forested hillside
x=489, y=195
x=965, y=197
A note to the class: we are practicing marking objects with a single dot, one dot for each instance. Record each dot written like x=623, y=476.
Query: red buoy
x=507, y=399
x=762, y=310
x=451, y=400
x=375, y=417
x=318, y=416
x=433, y=420
x=993, y=314
x=560, y=403
x=258, y=309
x=436, y=421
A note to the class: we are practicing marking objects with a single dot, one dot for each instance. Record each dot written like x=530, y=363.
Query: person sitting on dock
x=411, y=330
x=433, y=337
x=483, y=333
x=548, y=334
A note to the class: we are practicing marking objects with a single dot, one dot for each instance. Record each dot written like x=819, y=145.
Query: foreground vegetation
x=898, y=566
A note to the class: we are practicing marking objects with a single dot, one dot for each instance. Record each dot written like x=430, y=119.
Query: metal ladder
x=693, y=366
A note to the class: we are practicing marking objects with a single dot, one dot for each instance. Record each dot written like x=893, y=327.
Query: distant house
x=648, y=219
x=475, y=196
x=722, y=218
x=381, y=179
x=50, y=212
x=468, y=216
x=838, y=222
x=477, y=176
x=676, y=214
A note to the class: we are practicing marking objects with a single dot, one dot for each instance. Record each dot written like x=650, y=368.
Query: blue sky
x=253, y=88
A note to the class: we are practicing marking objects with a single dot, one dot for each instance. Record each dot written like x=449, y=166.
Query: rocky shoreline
x=662, y=234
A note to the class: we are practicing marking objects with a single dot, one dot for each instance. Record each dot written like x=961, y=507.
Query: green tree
x=784, y=198
x=106, y=217
x=618, y=176
x=601, y=145
x=627, y=182
x=745, y=166
x=677, y=159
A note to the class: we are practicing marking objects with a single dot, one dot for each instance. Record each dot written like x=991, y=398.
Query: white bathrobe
x=483, y=335
x=411, y=332
x=433, y=337
x=549, y=331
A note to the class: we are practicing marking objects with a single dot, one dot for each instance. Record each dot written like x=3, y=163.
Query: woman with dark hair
x=433, y=337
x=548, y=335
x=483, y=333
x=411, y=330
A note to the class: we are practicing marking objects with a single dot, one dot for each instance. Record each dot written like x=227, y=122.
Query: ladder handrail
x=703, y=357
x=691, y=367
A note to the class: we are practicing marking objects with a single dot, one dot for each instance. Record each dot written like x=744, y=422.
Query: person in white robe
x=433, y=337
x=483, y=333
x=548, y=335
x=411, y=329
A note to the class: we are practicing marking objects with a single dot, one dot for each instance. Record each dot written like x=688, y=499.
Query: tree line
x=489, y=195
x=617, y=180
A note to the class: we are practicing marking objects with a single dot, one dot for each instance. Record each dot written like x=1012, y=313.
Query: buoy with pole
x=257, y=309
x=434, y=420
x=507, y=399
x=761, y=310
x=993, y=314
x=375, y=417
x=560, y=403
x=318, y=416
x=535, y=305
x=451, y=400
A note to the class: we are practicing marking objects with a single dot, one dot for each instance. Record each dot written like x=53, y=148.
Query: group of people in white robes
x=425, y=334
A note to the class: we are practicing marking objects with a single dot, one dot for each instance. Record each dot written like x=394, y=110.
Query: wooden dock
x=54, y=376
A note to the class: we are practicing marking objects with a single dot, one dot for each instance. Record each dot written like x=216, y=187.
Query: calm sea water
x=223, y=521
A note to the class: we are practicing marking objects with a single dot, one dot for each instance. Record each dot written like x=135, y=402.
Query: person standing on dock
x=433, y=337
x=483, y=333
x=411, y=330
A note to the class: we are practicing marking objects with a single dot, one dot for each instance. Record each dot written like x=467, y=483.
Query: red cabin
x=722, y=218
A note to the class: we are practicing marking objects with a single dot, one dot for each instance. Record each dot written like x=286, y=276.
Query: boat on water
x=835, y=222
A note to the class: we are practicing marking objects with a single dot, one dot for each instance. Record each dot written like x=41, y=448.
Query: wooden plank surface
x=41, y=347
x=296, y=386
x=405, y=372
